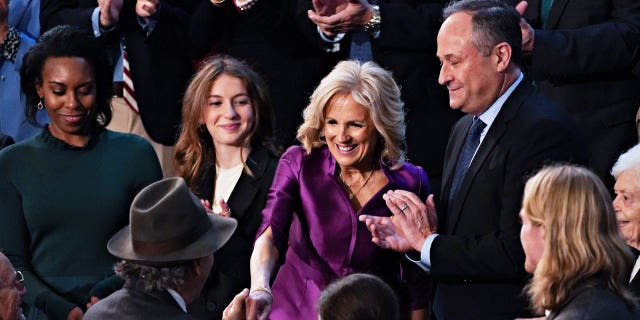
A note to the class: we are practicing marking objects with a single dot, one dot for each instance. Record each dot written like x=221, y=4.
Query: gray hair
x=374, y=88
x=627, y=161
x=493, y=22
x=153, y=278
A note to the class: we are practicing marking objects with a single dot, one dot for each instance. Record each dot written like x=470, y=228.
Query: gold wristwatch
x=373, y=26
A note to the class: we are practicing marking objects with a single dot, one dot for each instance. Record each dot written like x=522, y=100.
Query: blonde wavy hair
x=581, y=235
x=194, y=151
x=374, y=88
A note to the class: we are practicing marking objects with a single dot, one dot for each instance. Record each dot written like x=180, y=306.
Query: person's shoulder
x=126, y=139
x=537, y=107
x=26, y=39
x=294, y=151
x=596, y=302
x=107, y=308
x=20, y=149
x=298, y=152
x=409, y=174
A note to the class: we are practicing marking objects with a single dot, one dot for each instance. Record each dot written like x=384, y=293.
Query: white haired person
x=626, y=171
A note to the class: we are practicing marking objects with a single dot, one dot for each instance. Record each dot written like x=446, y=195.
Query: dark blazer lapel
x=557, y=8
x=634, y=285
x=496, y=131
x=245, y=190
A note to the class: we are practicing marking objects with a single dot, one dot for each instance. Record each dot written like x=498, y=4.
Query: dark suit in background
x=5, y=141
x=592, y=300
x=268, y=38
x=586, y=60
x=160, y=61
x=477, y=259
x=406, y=47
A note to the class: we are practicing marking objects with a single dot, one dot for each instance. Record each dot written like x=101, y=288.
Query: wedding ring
x=404, y=207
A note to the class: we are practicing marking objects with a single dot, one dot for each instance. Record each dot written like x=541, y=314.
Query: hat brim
x=121, y=244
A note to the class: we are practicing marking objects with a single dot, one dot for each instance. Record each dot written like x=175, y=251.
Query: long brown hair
x=194, y=151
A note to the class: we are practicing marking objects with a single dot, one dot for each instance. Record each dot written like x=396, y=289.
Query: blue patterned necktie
x=468, y=150
x=361, y=44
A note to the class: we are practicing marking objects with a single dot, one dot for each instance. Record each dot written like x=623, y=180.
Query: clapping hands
x=409, y=226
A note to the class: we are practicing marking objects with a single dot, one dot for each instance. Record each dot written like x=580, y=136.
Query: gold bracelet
x=263, y=289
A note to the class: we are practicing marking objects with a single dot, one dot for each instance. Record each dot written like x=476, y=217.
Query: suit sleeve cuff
x=424, y=261
x=95, y=24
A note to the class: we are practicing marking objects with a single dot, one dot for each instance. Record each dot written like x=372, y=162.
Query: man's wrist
x=373, y=26
x=527, y=47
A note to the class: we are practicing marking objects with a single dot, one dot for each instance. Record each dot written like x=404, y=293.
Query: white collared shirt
x=176, y=296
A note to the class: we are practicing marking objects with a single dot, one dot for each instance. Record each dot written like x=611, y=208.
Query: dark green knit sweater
x=60, y=204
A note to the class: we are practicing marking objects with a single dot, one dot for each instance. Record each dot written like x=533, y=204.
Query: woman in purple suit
x=352, y=153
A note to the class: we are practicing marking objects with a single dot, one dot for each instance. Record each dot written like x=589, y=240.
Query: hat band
x=158, y=248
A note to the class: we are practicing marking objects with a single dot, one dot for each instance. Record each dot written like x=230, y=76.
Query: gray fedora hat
x=169, y=225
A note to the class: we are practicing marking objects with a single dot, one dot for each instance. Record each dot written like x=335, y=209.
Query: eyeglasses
x=19, y=278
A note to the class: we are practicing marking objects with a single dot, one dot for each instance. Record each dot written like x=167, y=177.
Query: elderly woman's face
x=68, y=92
x=532, y=238
x=350, y=133
x=627, y=206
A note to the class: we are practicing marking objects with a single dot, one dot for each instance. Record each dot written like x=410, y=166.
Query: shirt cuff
x=425, y=254
x=95, y=23
x=147, y=25
x=335, y=39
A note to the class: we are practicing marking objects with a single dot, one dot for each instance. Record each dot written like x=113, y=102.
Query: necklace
x=351, y=193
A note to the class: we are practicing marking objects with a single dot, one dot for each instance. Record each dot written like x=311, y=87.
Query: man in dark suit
x=585, y=56
x=474, y=254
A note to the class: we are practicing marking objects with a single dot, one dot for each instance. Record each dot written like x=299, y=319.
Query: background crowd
x=382, y=146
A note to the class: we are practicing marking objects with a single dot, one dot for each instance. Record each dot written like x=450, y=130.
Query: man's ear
x=198, y=267
x=502, y=54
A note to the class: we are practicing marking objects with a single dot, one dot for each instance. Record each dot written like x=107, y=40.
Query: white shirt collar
x=176, y=296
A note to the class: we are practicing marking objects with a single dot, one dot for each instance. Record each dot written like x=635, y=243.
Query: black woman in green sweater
x=66, y=191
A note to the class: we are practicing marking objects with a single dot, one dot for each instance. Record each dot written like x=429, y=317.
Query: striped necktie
x=127, y=92
x=466, y=156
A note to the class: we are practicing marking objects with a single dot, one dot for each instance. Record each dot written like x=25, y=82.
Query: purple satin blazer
x=317, y=230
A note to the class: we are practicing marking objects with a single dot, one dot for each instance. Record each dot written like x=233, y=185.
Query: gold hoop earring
x=40, y=105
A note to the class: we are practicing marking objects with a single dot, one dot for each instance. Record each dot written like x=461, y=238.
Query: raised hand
x=528, y=34
x=328, y=7
x=147, y=8
x=109, y=12
x=384, y=234
x=355, y=15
